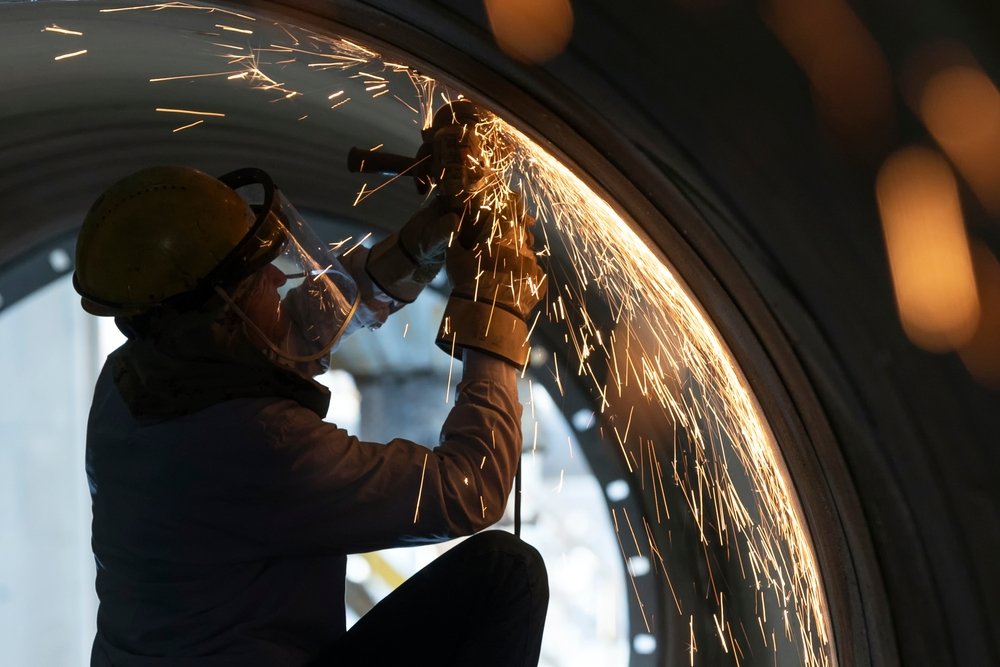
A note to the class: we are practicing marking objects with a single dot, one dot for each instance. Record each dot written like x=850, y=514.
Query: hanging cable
x=517, y=500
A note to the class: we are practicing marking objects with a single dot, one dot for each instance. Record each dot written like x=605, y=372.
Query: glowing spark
x=194, y=76
x=74, y=54
x=295, y=39
x=191, y=112
x=405, y=103
x=230, y=28
x=420, y=491
x=722, y=635
x=692, y=644
x=451, y=363
x=363, y=195
x=635, y=589
x=355, y=246
x=62, y=31
x=337, y=245
x=184, y=127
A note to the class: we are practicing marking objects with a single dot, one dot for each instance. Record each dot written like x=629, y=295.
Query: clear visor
x=300, y=302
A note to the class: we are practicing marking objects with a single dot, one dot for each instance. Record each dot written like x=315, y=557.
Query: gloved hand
x=457, y=164
x=496, y=283
x=402, y=264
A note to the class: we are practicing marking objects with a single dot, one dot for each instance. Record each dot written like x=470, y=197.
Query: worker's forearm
x=480, y=443
x=478, y=365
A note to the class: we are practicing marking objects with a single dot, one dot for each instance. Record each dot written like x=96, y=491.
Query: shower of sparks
x=74, y=54
x=652, y=352
x=662, y=352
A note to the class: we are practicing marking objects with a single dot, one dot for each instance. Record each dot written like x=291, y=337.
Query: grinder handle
x=377, y=162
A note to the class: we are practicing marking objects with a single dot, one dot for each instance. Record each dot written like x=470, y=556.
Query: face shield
x=297, y=298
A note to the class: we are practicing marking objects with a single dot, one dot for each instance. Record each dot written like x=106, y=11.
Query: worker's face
x=263, y=305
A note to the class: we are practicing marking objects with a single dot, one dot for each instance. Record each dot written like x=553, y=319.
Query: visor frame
x=279, y=230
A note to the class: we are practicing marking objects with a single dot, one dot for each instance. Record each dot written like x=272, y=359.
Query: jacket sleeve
x=326, y=491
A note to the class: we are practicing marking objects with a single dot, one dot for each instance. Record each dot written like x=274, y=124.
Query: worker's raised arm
x=341, y=494
x=397, y=269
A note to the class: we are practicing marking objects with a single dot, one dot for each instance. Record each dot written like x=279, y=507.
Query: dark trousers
x=482, y=603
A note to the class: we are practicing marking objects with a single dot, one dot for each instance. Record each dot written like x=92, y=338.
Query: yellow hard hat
x=159, y=234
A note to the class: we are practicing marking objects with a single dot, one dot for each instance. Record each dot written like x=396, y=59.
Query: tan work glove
x=403, y=263
x=496, y=283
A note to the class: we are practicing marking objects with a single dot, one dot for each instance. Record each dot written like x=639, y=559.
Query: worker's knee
x=498, y=541
x=512, y=559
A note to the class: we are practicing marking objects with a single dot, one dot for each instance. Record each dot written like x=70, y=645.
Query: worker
x=224, y=507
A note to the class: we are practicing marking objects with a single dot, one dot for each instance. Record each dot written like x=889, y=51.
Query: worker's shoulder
x=255, y=411
x=246, y=433
x=272, y=420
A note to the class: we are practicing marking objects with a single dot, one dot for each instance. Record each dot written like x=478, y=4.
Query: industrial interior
x=760, y=405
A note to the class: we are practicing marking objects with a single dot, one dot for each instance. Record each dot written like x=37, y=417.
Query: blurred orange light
x=981, y=355
x=849, y=75
x=531, y=30
x=928, y=250
x=960, y=107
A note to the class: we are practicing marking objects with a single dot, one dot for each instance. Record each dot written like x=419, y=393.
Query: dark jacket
x=220, y=533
